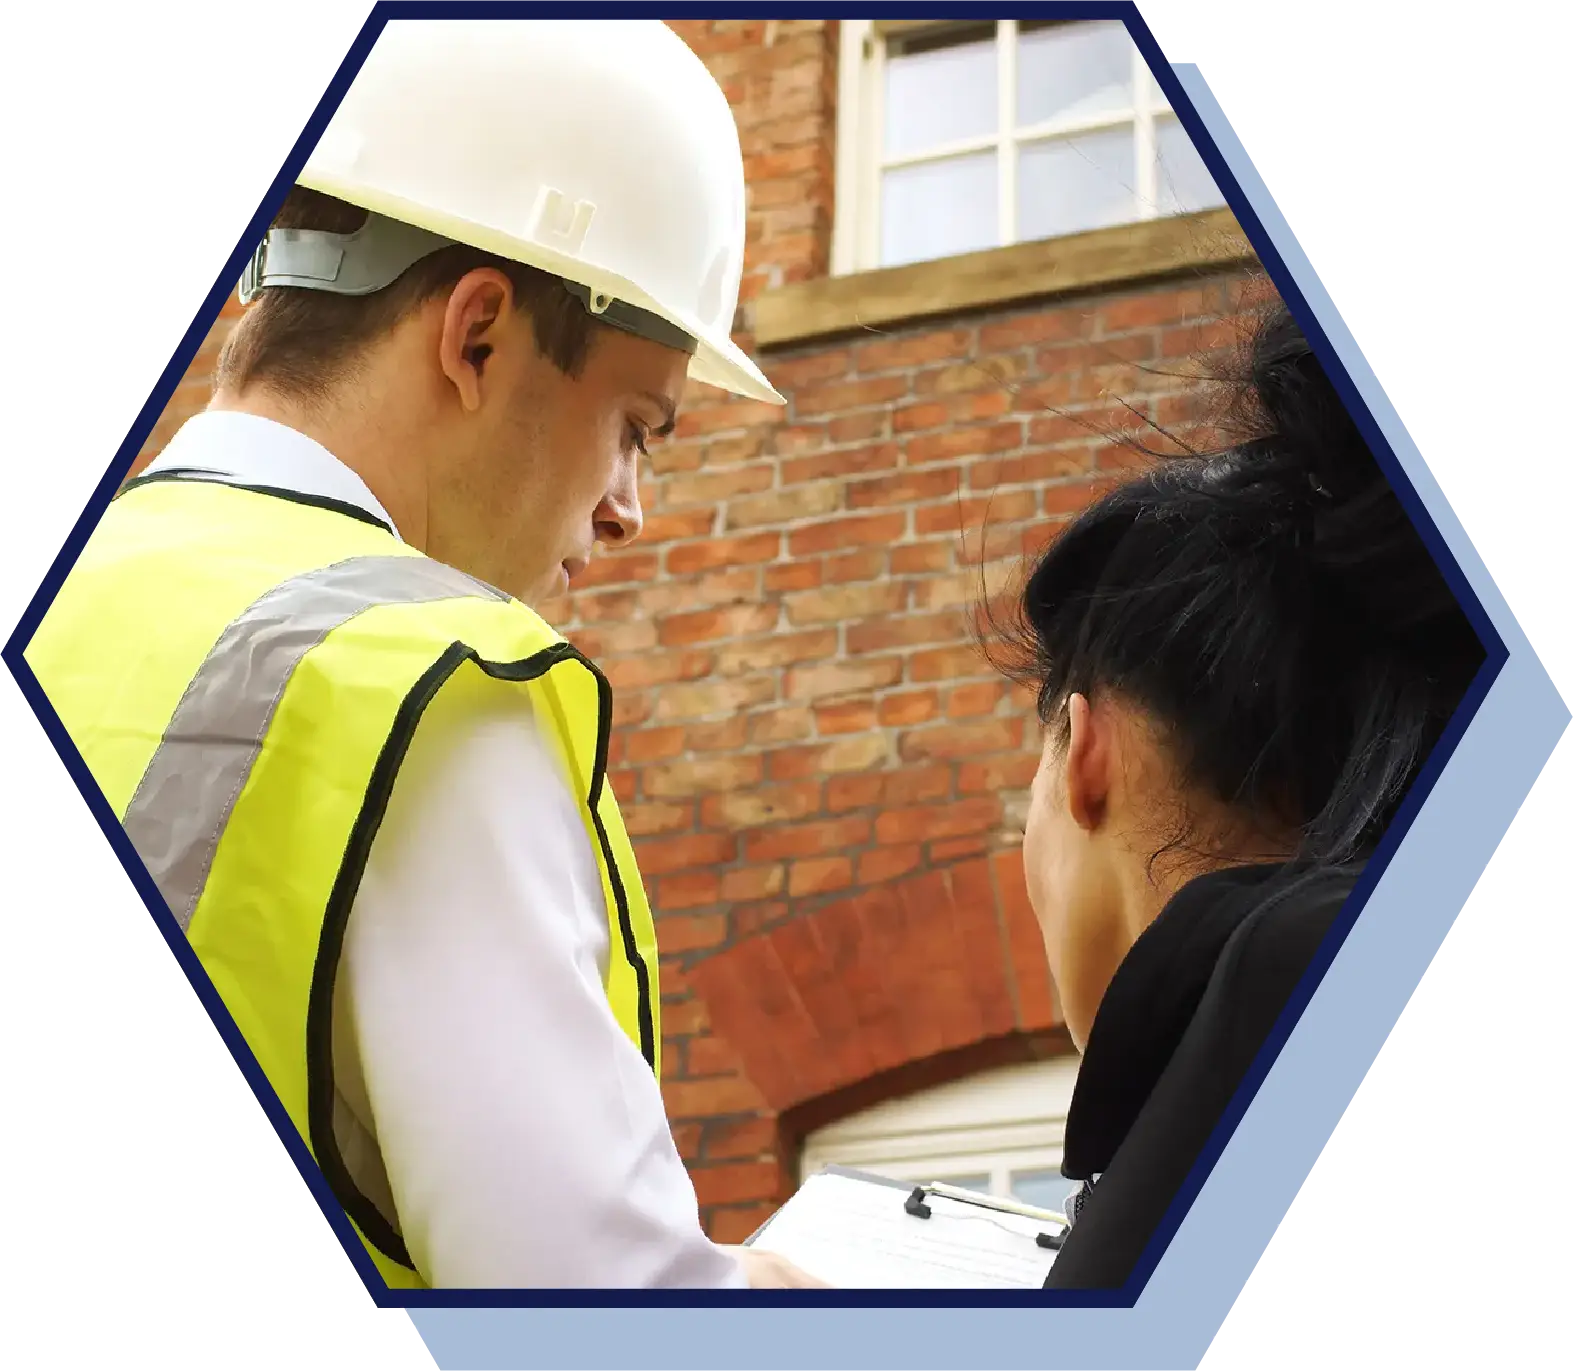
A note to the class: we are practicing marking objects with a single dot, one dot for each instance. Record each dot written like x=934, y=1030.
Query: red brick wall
x=824, y=781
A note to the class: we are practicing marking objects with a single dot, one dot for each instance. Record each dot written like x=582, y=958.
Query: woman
x=1241, y=661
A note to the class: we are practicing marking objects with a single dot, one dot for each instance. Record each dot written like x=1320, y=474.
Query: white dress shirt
x=483, y=1078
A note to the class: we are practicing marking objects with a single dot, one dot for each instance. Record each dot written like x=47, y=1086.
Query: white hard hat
x=601, y=151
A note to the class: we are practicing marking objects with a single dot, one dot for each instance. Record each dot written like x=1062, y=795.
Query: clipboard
x=859, y=1230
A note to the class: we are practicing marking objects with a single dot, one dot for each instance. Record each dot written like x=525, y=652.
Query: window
x=960, y=136
x=999, y=1132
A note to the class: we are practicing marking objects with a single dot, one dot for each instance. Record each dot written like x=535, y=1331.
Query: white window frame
x=995, y=1123
x=860, y=160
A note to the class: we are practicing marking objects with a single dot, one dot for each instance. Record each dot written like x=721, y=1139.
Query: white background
x=150, y=1210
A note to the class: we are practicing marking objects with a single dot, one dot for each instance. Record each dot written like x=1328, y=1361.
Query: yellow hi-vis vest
x=242, y=674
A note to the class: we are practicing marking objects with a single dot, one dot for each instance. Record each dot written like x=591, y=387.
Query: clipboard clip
x=917, y=1205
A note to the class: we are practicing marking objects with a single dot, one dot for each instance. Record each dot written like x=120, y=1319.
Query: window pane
x=1183, y=181
x=1073, y=71
x=1065, y=185
x=940, y=94
x=938, y=209
x=1045, y=1189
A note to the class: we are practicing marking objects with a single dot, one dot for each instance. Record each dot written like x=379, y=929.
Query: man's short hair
x=301, y=342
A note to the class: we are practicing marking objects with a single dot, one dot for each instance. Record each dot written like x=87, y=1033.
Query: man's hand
x=768, y=1271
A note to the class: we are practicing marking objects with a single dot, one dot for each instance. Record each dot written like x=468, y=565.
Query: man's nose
x=619, y=518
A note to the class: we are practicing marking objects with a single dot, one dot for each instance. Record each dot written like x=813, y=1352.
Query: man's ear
x=1088, y=764
x=469, y=323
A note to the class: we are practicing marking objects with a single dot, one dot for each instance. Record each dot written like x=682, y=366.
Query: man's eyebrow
x=667, y=408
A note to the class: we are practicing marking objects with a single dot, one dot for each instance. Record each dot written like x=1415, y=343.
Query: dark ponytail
x=1270, y=605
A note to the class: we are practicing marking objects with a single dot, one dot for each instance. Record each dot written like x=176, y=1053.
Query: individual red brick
x=916, y=784
x=790, y=724
x=752, y=883
x=793, y=576
x=625, y=785
x=845, y=716
x=840, y=396
x=853, y=792
x=905, y=487
x=819, y=876
x=969, y=701
x=1057, y=326
x=907, y=630
x=908, y=708
x=888, y=863
x=1073, y=496
x=1032, y=468
x=721, y=417
x=707, y=1098
x=712, y=625
x=652, y=744
x=620, y=568
x=711, y=1056
x=764, y=805
x=838, y=463
x=769, y=654
x=671, y=528
x=735, y=449
x=711, y=488
x=957, y=443
x=921, y=416
x=657, y=668
x=700, y=776
x=918, y=557
x=836, y=534
x=782, y=506
x=981, y=373
x=959, y=741
x=789, y=373
x=706, y=701
x=690, y=890
x=807, y=840
x=837, y=604
x=954, y=515
x=858, y=428
x=866, y=564
x=649, y=817
x=835, y=680
x=926, y=823
x=723, y=552
x=721, y=735
x=736, y=586
x=915, y=350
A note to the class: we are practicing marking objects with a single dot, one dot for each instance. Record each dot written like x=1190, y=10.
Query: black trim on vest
x=192, y=475
x=319, y=1013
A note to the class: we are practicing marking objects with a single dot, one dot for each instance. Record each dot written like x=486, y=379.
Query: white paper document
x=854, y=1232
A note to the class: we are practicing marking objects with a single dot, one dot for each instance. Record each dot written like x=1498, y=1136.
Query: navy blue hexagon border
x=1277, y=1125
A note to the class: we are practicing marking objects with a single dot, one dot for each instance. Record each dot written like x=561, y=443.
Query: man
x=297, y=656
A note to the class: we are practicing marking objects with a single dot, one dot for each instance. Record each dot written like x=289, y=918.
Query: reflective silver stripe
x=186, y=795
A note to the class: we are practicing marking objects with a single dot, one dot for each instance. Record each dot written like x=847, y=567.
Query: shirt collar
x=246, y=449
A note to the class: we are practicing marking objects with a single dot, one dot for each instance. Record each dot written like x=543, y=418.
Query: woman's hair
x=1270, y=606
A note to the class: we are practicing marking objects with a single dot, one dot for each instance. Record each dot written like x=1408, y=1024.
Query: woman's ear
x=1088, y=756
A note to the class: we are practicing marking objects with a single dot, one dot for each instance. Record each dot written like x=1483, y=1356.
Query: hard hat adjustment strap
x=358, y=263
x=383, y=249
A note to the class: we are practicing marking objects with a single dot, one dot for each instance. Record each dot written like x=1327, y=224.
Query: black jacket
x=1184, y=1017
